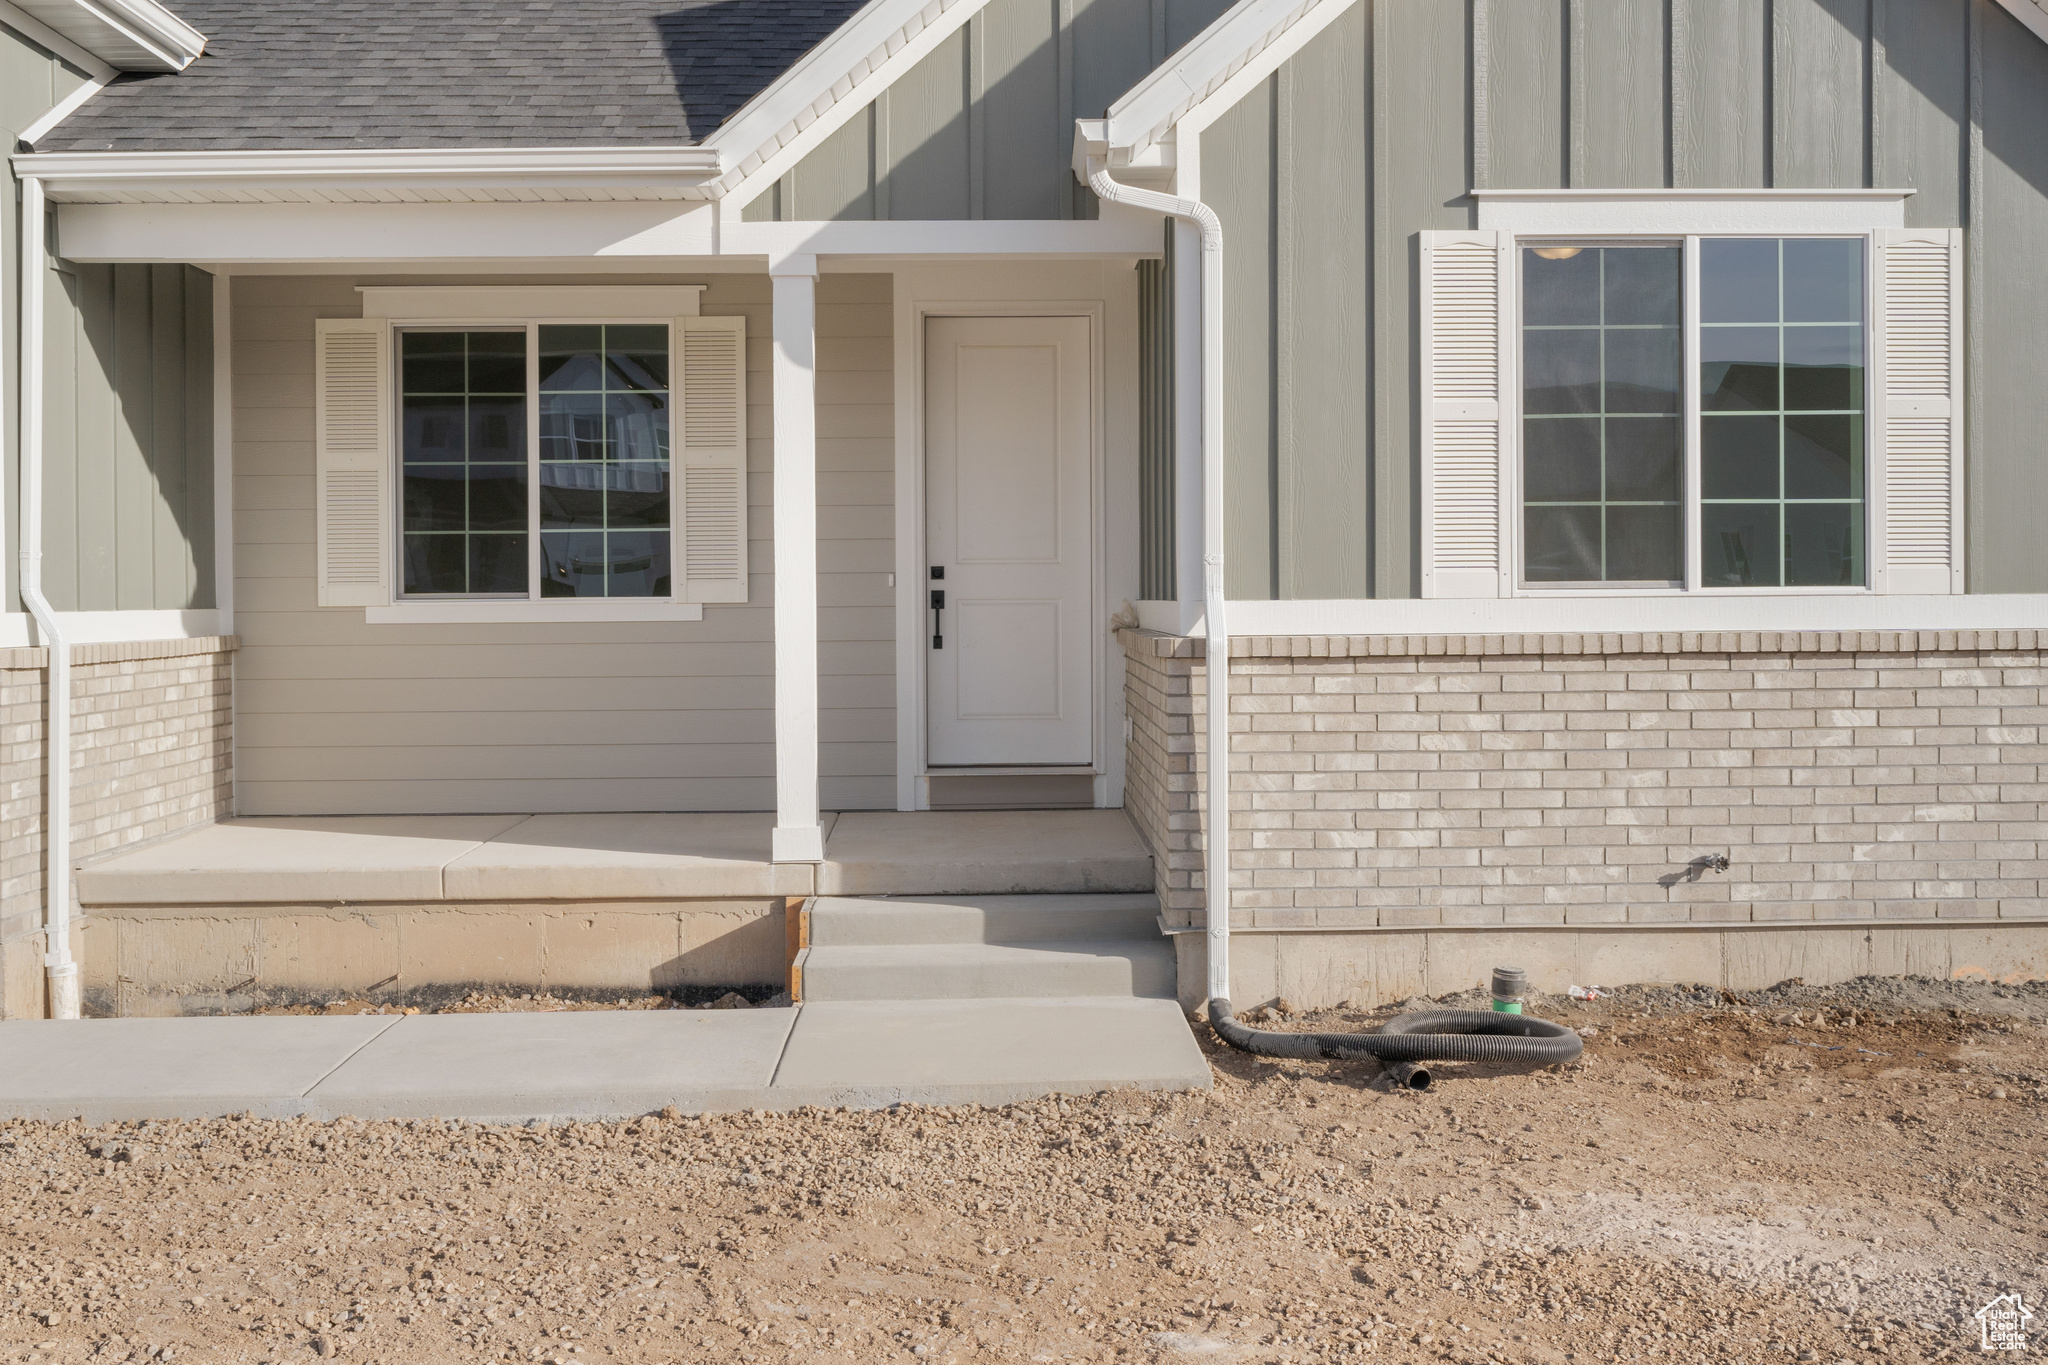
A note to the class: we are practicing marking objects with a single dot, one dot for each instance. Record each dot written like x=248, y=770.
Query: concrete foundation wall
x=1315, y=970
x=177, y=960
x=151, y=755
x=1480, y=791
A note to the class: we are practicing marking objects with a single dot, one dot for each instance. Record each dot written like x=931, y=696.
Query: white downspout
x=1216, y=776
x=63, y=972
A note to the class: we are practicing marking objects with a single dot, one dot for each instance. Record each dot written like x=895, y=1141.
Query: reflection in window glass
x=463, y=402
x=1600, y=414
x=604, y=451
x=1782, y=406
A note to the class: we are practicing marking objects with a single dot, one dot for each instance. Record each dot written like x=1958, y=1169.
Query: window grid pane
x=463, y=446
x=605, y=464
x=1601, y=404
x=1782, y=412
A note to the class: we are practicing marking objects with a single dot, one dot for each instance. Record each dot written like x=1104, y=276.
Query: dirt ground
x=1795, y=1175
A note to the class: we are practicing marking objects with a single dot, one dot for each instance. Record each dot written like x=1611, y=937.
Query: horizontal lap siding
x=337, y=716
x=1326, y=172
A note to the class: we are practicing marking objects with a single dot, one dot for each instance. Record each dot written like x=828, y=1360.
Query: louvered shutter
x=1464, y=372
x=711, y=459
x=1918, y=427
x=352, y=461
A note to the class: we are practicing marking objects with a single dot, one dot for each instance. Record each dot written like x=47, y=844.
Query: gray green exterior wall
x=127, y=403
x=983, y=127
x=1380, y=126
x=33, y=81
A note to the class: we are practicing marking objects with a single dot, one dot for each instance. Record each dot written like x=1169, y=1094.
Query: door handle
x=938, y=613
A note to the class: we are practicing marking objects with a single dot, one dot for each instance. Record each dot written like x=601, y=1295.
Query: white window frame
x=1471, y=425
x=1514, y=564
x=450, y=308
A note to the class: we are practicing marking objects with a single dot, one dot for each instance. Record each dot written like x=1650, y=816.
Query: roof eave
x=129, y=35
x=1144, y=114
x=233, y=176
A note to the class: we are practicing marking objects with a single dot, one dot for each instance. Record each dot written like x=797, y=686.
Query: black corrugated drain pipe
x=1407, y=1040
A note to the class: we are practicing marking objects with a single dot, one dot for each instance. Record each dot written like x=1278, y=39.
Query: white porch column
x=798, y=837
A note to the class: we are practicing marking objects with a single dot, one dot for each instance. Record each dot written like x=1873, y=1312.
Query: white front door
x=1008, y=501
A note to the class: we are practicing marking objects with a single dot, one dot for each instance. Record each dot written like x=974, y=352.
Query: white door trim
x=912, y=614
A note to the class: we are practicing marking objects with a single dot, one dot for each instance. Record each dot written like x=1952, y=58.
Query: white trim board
x=1673, y=213
x=546, y=235
x=1668, y=612
x=1241, y=48
x=113, y=627
x=36, y=31
x=135, y=35
x=525, y=303
x=1108, y=297
x=530, y=611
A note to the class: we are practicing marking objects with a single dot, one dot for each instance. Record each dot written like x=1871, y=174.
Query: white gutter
x=71, y=176
x=1216, y=773
x=63, y=972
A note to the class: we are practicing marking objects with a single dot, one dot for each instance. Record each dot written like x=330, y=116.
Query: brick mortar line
x=1159, y=645
x=1175, y=930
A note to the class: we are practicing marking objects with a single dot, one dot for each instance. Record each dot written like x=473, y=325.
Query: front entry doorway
x=1008, y=504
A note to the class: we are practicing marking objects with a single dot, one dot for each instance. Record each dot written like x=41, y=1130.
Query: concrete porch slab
x=873, y=1053
x=572, y=1064
x=983, y=853
x=635, y=856
x=108, y=1070
x=282, y=860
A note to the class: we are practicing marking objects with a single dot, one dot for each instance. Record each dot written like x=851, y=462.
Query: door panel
x=1009, y=507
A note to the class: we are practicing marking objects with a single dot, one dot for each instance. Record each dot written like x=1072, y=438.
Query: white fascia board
x=1242, y=38
x=1119, y=233
x=2030, y=13
x=208, y=234
x=1606, y=614
x=133, y=35
x=841, y=71
x=257, y=235
x=65, y=107
x=36, y=31
x=78, y=176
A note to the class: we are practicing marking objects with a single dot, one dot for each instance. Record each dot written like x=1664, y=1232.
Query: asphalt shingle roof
x=307, y=74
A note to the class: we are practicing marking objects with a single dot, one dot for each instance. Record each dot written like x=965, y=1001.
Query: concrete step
x=1119, y=968
x=983, y=853
x=838, y=921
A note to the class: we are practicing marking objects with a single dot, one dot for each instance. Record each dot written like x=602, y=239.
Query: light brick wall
x=1564, y=780
x=151, y=755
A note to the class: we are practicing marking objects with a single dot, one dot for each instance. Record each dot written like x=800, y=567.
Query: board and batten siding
x=336, y=716
x=983, y=126
x=127, y=402
x=1375, y=131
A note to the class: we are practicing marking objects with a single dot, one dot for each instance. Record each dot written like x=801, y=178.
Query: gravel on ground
x=1801, y=1174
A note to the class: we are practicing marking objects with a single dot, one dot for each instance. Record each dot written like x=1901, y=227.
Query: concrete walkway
x=594, y=1064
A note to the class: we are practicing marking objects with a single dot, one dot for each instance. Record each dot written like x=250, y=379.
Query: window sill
x=1667, y=593
x=545, y=611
